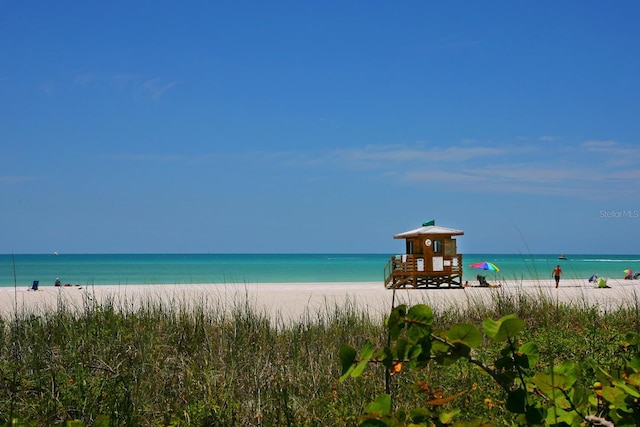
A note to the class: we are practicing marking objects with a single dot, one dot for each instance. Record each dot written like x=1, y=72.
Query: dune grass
x=173, y=362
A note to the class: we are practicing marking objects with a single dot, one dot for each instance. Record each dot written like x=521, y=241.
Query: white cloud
x=152, y=89
x=156, y=88
x=122, y=81
x=48, y=88
x=84, y=79
x=519, y=168
x=588, y=169
x=594, y=145
x=400, y=154
x=548, y=138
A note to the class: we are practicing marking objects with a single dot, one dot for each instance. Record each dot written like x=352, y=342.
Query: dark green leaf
x=517, y=401
x=530, y=350
x=534, y=416
x=396, y=321
x=347, y=359
x=635, y=363
x=400, y=349
x=373, y=423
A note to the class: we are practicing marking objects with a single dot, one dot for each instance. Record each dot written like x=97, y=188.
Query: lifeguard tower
x=431, y=259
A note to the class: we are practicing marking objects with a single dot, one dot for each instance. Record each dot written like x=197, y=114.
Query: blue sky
x=308, y=126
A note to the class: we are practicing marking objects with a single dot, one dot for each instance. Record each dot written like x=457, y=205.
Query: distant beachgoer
x=593, y=278
x=57, y=282
x=557, y=272
x=482, y=281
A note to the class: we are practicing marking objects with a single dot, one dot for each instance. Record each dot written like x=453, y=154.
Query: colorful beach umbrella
x=629, y=272
x=485, y=266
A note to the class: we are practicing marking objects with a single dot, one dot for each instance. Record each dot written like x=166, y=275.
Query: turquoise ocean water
x=109, y=269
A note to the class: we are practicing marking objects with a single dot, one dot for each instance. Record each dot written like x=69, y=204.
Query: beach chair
x=34, y=286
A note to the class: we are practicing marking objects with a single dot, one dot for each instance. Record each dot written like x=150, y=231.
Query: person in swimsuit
x=557, y=272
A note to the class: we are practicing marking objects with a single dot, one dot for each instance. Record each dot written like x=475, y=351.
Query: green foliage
x=168, y=363
x=553, y=395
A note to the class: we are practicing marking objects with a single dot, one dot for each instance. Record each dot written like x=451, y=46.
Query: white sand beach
x=293, y=301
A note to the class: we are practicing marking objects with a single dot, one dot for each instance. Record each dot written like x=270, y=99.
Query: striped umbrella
x=489, y=266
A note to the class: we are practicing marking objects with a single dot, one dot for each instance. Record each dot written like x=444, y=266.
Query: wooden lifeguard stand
x=431, y=259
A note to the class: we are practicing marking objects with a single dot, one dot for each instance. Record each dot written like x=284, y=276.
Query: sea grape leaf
x=601, y=374
x=629, y=390
x=420, y=416
x=446, y=418
x=613, y=395
x=387, y=357
x=456, y=352
x=464, y=333
x=569, y=370
x=347, y=359
x=517, y=401
x=632, y=338
x=414, y=352
x=379, y=407
x=556, y=416
x=366, y=353
x=550, y=384
x=425, y=347
x=500, y=330
x=439, y=347
x=421, y=313
x=395, y=323
x=505, y=362
x=530, y=350
x=534, y=415
x=419, y=320
x=634, y=379
x=400, y=349
x=490, y=327
x=634, y=363
x=510, y=328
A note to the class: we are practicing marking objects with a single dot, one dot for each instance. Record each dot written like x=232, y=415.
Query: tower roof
x=429, y=228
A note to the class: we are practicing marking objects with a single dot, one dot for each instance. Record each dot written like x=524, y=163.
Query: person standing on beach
x=557, y=272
